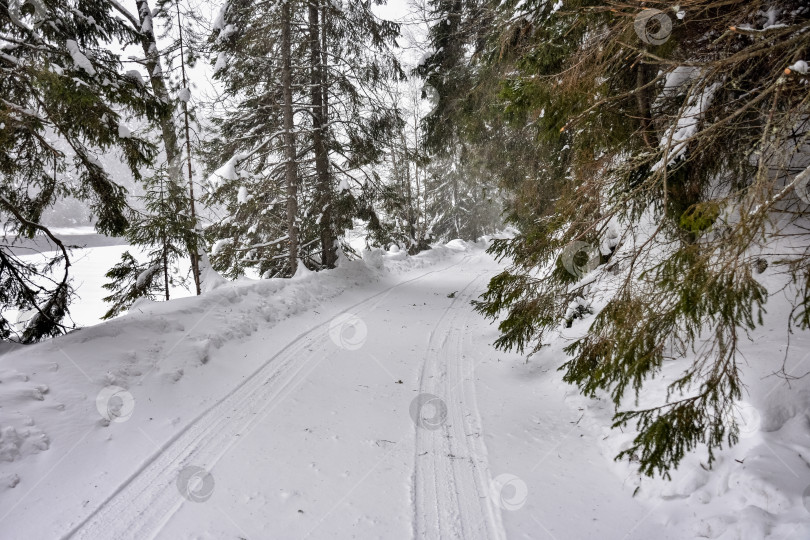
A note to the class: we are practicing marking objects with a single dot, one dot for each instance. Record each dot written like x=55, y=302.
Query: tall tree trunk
x=324, y=196
x=166, y=267
x=151, y=55
x=165, y=194
x=408, y=193
x=643, y=98
x=289, y=138
x=325, y=62
x=193, y=248
x=168, y=129
x=455, y=206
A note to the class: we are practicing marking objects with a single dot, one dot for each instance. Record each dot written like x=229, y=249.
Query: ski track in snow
x=451, y=473
x=145, y=503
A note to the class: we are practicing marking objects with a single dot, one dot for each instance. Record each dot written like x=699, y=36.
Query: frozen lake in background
x=71, y=236
x=89, y=264
x=98, y=253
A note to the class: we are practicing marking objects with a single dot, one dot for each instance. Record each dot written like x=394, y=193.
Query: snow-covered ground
x=362, y=402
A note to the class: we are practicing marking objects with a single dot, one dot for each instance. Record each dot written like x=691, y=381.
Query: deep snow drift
x=364, y=402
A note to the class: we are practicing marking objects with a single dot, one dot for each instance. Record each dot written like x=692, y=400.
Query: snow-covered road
x=148, y=501
x=374, y=407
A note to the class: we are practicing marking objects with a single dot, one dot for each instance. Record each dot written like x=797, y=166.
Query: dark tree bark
x=193, y=250
x=319, y=120
x=291, y=173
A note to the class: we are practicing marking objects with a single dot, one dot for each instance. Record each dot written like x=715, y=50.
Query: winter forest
x=405, y=269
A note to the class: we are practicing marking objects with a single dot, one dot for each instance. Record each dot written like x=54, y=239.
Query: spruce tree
x=187, y=40
x=174, y=25
x=444, y=70
x=162, y=229
x=359, y=67
x=65, y=102
x=301, y=132
x=669, y=165
x=461, y=203
x=256, y=188
x=403, y=198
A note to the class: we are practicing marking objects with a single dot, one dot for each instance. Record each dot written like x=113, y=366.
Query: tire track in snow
x=451, y=472
x=143, y=505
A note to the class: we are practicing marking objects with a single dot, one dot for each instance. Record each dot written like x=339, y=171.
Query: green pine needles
x=664, y=175
x=64, y=98
x=164, y=229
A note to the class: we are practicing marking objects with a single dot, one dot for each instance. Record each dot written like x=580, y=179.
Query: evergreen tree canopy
x=667, y=163
x=167, y=226
x=65, y=100
x=340, y=60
